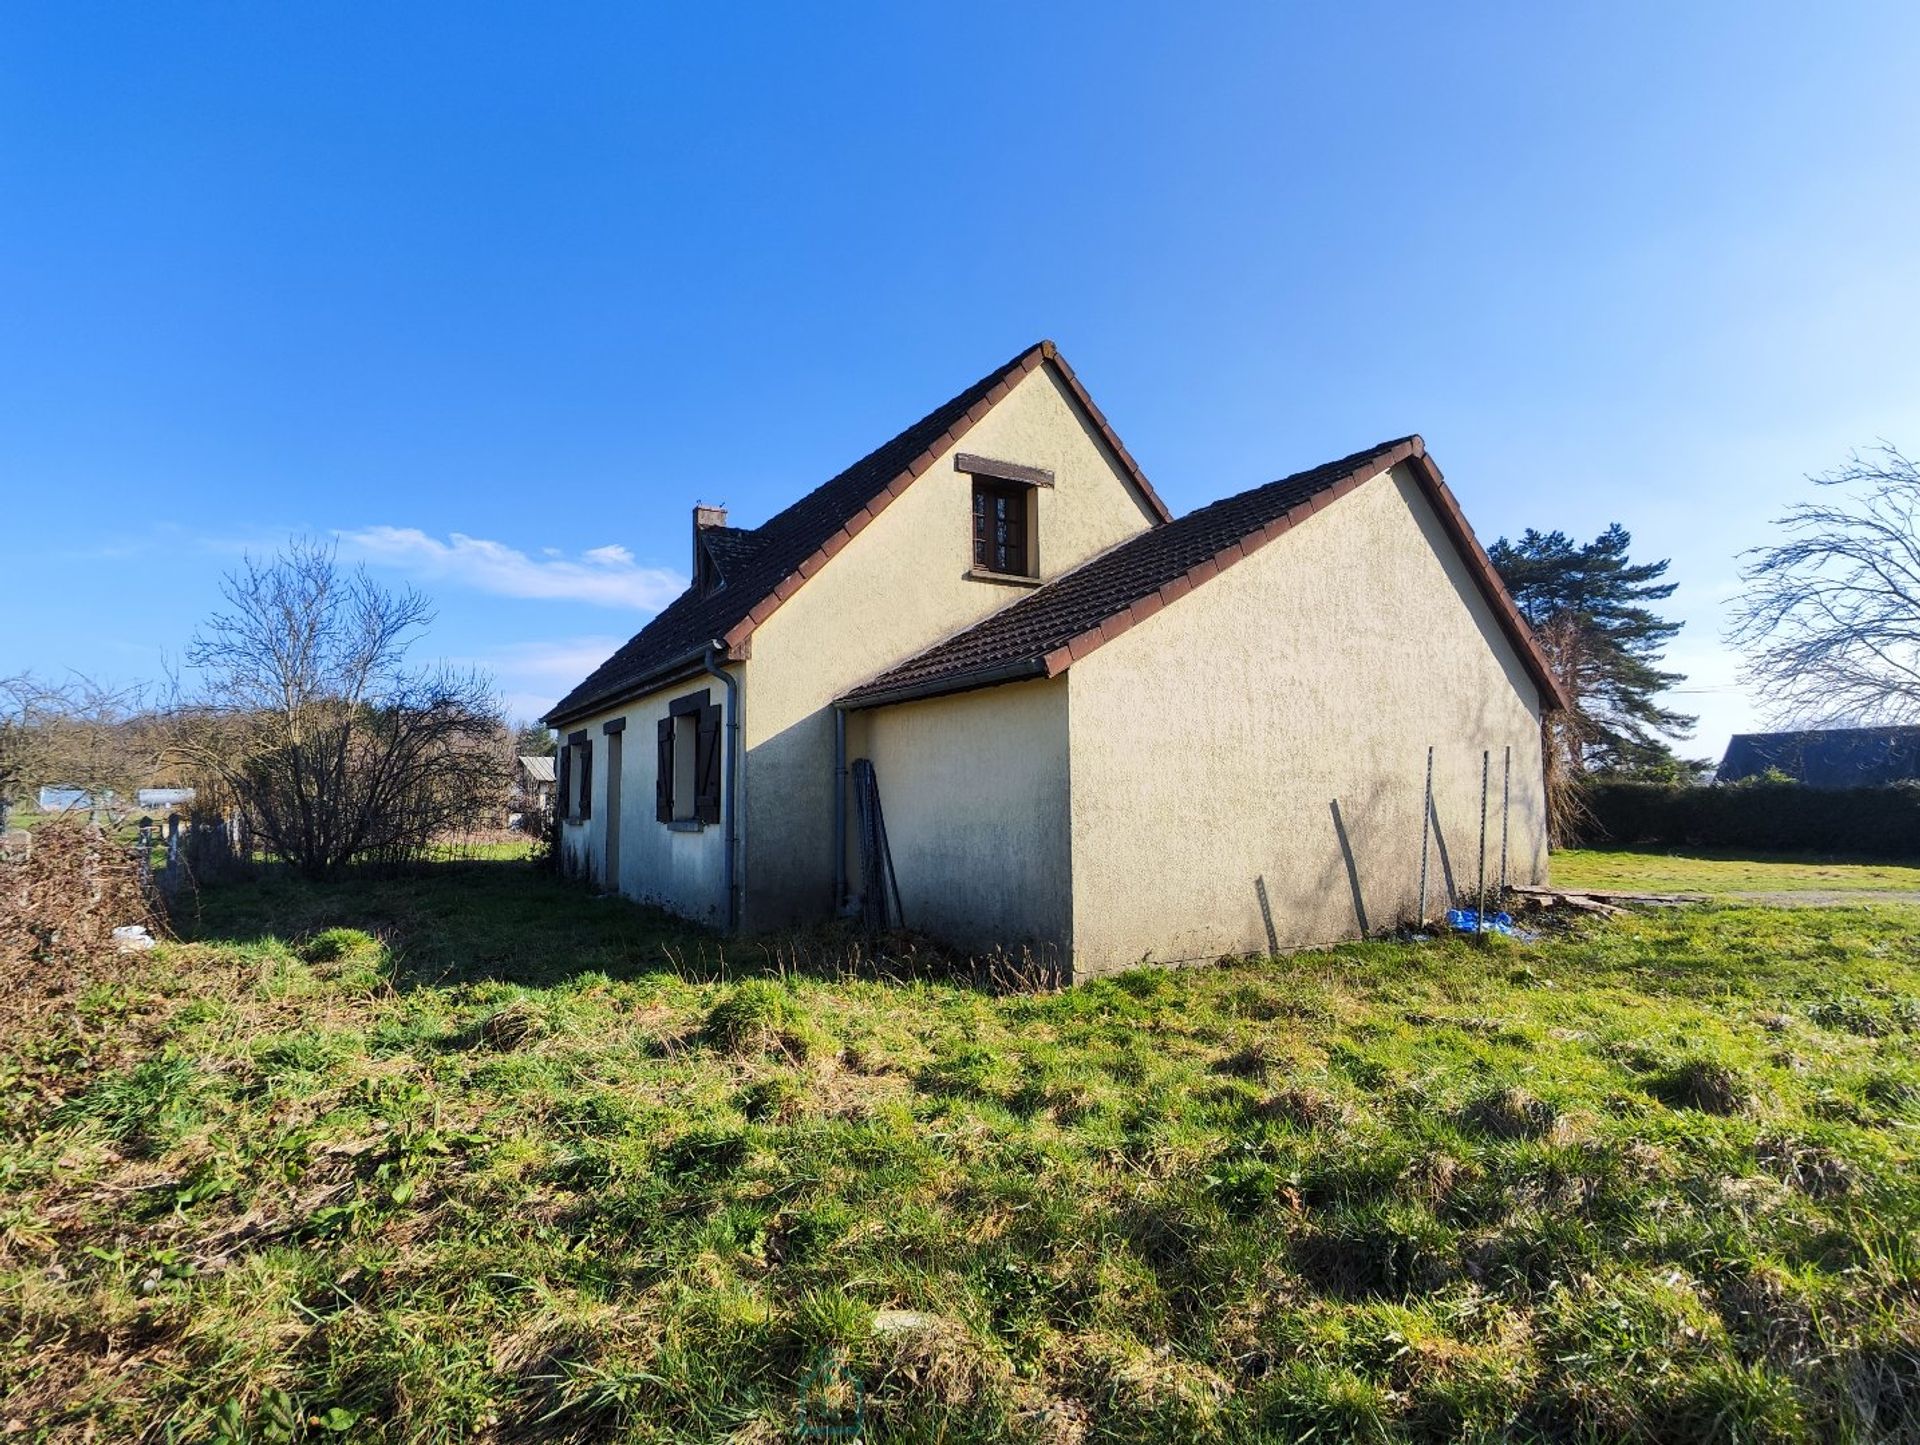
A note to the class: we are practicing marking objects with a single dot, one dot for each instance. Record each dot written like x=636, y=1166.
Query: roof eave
x=1553, y=697
x=1025, y=670
x=1412, y=451
x=1044, y=353
x=692, y=664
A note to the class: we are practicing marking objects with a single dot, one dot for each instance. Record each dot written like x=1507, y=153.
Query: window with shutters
x=688, y=764
x=576, y=778
x=1001, y=523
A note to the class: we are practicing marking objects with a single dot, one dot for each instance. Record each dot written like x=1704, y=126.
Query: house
x=69, y=800
x=531, y=799
x=1097, y=733
x=1826, y=757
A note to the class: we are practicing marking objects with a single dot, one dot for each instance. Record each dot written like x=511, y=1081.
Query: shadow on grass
x=1683, y=853
x=475, y=921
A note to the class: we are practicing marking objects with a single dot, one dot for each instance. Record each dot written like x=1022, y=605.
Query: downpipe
x=839, y=811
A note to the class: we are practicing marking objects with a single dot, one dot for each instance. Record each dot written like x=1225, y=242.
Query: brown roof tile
x=764, y=566
x=1054, y=626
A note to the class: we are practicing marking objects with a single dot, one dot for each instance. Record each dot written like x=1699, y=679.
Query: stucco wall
x=974, y=791
x=681, y=870
x=898, y=587
x=1269, y=732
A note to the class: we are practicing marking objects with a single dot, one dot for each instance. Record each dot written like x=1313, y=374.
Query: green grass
x=505, y=1162
x=1707, y=871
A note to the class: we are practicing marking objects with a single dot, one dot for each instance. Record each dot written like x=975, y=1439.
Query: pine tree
x=1588, y=609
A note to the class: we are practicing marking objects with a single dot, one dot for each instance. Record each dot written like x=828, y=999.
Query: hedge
x=1766, y=814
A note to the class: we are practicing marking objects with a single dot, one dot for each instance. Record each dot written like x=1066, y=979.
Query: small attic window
x=1001, y=527
x=1006, y=516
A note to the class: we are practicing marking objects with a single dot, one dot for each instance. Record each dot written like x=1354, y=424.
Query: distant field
x=1718, y=873
x=470, y=1155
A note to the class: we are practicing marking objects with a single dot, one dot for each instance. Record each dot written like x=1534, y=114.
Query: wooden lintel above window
x=1004, y=471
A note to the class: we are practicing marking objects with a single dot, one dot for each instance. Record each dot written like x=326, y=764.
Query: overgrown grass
x=1711, y=872
x=510, y=1163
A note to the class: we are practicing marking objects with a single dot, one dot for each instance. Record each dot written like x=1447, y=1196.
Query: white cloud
x=565, y=660
x=604, y=576
x=533, y=676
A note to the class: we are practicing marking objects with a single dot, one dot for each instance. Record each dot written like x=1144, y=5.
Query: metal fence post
x=1506, y=801
x=1480, y=913
x=1426, y=823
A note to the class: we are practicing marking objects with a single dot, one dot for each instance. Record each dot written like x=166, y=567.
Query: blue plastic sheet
x=1468, y=920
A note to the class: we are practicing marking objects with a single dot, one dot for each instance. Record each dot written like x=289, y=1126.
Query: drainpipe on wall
x=839, y=810
x=733, y=815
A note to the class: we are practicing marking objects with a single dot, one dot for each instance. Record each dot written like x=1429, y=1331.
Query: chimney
x=703, y=518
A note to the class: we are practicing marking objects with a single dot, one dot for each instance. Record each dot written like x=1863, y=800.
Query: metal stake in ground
x=1480, y=913
x=1426, y=820
x=1506, y=800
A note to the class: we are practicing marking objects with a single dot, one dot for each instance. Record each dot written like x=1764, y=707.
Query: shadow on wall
x=1371, y=874
x=1353, y=869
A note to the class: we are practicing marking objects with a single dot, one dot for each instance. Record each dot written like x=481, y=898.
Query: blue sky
x=495, y=293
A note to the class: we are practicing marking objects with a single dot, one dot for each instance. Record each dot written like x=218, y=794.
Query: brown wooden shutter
x=707, y=769
x=663, y=771
x=563, y=796
x=586, y=781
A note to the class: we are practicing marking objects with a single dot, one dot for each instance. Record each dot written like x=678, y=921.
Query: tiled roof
x=1827, y=757
x=762, y=567
x=1050, y=628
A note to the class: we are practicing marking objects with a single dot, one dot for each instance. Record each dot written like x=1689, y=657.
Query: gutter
x=1022, y=671
x=691, y=664
x=732, y=815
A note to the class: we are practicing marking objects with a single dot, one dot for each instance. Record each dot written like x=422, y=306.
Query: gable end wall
x=896, y=588
x=1265, y=738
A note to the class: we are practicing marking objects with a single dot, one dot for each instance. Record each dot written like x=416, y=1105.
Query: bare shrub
x=77, y=733
x=335, y=751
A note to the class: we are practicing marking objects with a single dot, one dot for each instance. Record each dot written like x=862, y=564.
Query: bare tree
x=309, y=717
x=1831, y=619
x=19, y=707
x=79, y=733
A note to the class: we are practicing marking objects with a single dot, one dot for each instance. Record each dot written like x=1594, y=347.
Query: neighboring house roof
x=537, y=767
x=1827, y=757
x=762, y=567
x=1054, y=626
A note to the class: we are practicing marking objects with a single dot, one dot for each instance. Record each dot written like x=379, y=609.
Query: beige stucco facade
x=975, y=789
x=1241, y=769
x=1268, y=733
x=898, y=587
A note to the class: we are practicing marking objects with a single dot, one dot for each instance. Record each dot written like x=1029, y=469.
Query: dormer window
x=1006, y=517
